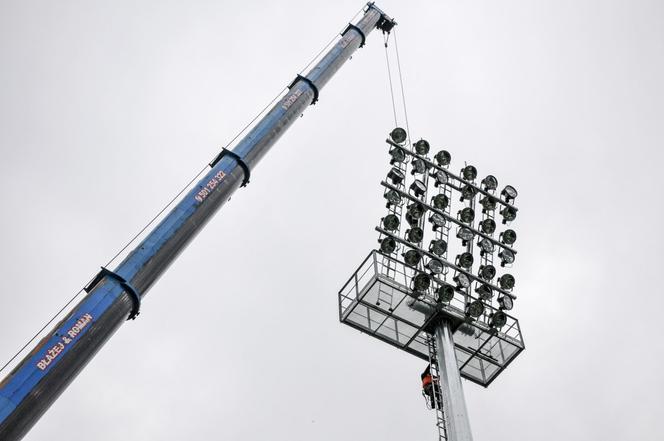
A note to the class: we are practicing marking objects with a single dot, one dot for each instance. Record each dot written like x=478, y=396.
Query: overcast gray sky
x=108, y=108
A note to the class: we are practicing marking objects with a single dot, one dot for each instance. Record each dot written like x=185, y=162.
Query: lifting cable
x=389, y=76
x=172, y=201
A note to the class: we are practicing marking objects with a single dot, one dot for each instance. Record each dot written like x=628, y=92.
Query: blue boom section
x=41, y=376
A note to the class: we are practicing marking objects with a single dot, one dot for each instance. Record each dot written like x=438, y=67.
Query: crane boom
x=114, y=296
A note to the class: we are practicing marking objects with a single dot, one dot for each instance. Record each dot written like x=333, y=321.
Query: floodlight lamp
x=415, y=235
x=437, y=220
x=488, y=226
x=509, y=193
x=438, y=247
x=398, y=135
x=506, y=282
x=435, y=266
x=396, y=176
x=418, y=188
x=467, y=192
x=465, y=234
x=388, y=245
x=422, y=147
x=444, y=293
x=443, y=158
x=440, y=201
x=505, y=302
x=411, y=220
x=441, y=178
x=490, y=183
x=487, y=272
x=486, y=246
x=398, y=155
x=475, y=308
x=393, y=197
x=391, y=222
x=461, y=280
x=416, y=210
x=484, y=291
x=465, y=260
x=467, y=215
x=488, y=203
x=506, y=257
x=421, y=282
x=508, y=237
x=412, y=257
x=419, y=166
x=498, y=319
x=469, y=173
x=509, y=214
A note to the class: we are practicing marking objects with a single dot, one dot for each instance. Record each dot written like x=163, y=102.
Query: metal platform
x=378, y=301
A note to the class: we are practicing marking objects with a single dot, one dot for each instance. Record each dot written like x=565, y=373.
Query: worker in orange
x=428, y=386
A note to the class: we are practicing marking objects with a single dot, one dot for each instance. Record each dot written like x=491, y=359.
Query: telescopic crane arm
x=115, y=295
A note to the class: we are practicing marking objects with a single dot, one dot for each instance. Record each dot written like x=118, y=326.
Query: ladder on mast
x=438, y=404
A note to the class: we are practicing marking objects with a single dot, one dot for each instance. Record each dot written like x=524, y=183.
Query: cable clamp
x=310, y=83
x=359, y=31
x=240, y=161
x=133, y=294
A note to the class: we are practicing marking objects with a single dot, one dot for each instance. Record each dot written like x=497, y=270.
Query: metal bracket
x=133, y=294
x=240, y=161
x=310, y=83
x=352, y=26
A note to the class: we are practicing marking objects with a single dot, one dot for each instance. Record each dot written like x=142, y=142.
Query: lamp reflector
x=509, y=214
x=498, y=319
x=388, y=245
x=438, y=247
x=396, y=176
x=440, y=201
x=484, y=291
x=398, y=135
x=462, y=280
x=393, y=197
x=422, y=147
x=465, y=260
x=506, y=257
x=469, y=173
x=445, y=293
x=421, y=282
x=506, y=281
x=435, y=266
x=475, y=308
x=508, y=237
x=398, y=155
x=505, y=302
x=412, y=257
x=441, y=178
x=443, y=158
x=467, y=215
x=488, y=226
x=487, y=272
x=509, y=193
x=391, y=222
x=437, y=220
x=418, y=188
x=490, y=183
x=415, y=235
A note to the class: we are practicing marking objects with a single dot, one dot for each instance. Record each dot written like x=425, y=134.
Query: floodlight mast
x=115, y=295
x=456, y=413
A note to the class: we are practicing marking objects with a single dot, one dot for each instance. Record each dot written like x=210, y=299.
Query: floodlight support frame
x=456, y=413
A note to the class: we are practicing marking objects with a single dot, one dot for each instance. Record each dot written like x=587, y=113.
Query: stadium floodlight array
x=446, y=247
x=471, y=265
